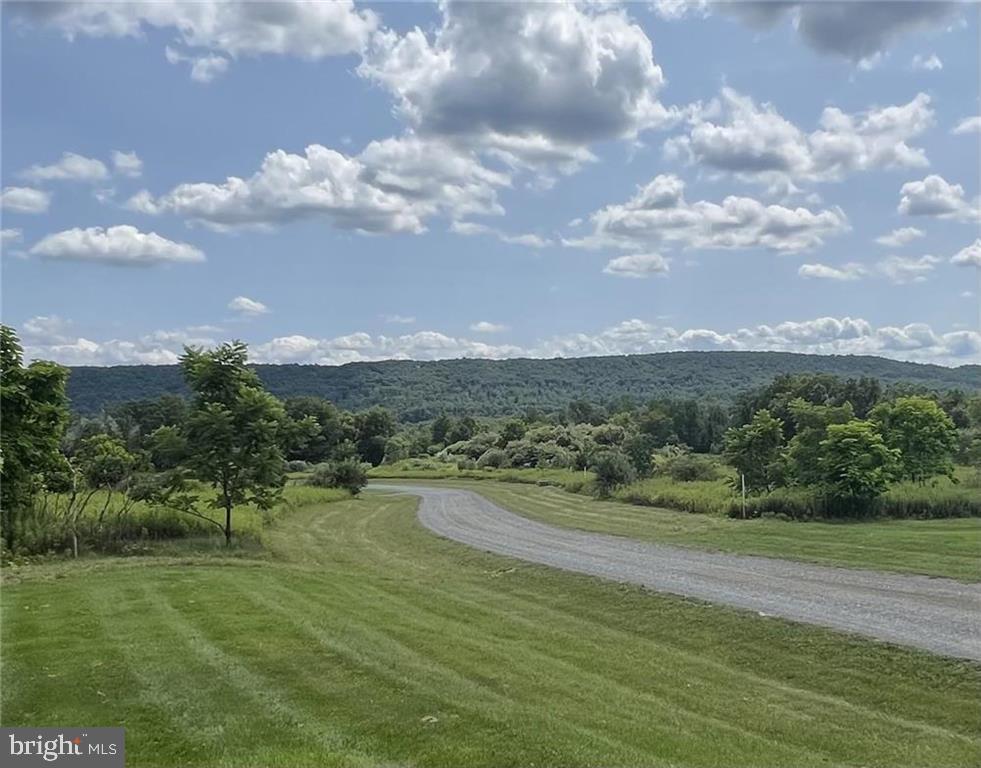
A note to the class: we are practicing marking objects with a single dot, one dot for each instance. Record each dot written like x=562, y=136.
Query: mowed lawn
x=950, y=548
x=362, y=639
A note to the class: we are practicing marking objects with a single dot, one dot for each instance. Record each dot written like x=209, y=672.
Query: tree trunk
x=228, y=522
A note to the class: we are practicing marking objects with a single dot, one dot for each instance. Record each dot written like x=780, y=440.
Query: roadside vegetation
x=804, y=447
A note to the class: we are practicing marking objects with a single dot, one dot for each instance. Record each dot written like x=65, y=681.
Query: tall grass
x=111, y=524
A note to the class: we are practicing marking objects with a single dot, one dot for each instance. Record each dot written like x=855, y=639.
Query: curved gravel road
x=938, y=615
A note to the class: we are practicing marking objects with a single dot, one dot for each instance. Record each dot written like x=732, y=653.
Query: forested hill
x=421, y=390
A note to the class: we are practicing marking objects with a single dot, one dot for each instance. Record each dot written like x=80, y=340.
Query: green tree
x=233, y=430
x=374, y=427
x=612, y=469
x=811, y=427
x=924, y=435
x=856, y=465
x=34, y=411
x=755, y=449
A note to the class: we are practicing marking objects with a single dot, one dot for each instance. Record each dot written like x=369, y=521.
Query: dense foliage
x=419, y=391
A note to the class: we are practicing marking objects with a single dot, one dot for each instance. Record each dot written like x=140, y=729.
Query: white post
x=743, y=478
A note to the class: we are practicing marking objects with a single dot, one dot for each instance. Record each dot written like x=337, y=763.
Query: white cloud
x=71, y=167
x=846, y=272
x=931, y=63
x=484, y=326
x=637, y=265
x=859, y=31
x=823, y=335
x=399, y=319
x=900, y=237
x=935, y=196
x=204, y=69
x=24, y=200
x=658, y=213
x=8, y=236
x=754, y=142
x=968, y=125
x=470, y=228
x=906, y=269
x=394, y=185
x=247, y=307
x=563, y=76
x=968, y=256
x=308, y=30
x=127, y=164
x=121, y=245
x=45, y=329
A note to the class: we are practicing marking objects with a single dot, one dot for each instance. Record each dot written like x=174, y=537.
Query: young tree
x=233, y=430
x=612, y=469
x=924, y=435
x=34, y=409
x=754, y=449
x=855, y=463
x=811, y=427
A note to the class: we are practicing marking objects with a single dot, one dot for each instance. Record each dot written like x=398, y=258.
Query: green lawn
x=949, y=548
x=361, y=639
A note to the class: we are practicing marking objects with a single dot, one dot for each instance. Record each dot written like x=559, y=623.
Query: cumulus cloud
x=637, y=265
x=234, y=29
x=968, y=256
x=8, y=236
x=968, y=125
x=247, y=307
x=122, y=245
x=394, y=185
x=823, y=335
x=931, y=63
x=906, y=269
x=846, y=272
x=935, y=196
x=24, y=200
x=858, y=31
x=900, y=237
x=563, y=76
x=127, y=164
x=754, y=142
x=204, y=68
x=659, y=213
x=484, y=326
x=71, y=167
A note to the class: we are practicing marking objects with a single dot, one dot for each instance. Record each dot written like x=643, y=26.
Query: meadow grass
x=933, y=547
x=365, y=640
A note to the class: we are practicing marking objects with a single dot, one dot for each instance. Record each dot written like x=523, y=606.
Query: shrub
x=297, y=466
x=492, y=458
x=349, y=474
x=612, y=470
x=688, y=467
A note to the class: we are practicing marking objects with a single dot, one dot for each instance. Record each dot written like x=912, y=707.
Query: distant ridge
x=420, y=390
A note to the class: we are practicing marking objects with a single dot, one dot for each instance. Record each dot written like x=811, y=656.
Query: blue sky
x=333, y=182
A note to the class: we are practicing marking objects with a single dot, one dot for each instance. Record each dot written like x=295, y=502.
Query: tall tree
x=34, y=411
x=856, y=465
x=233, y=430
x=754, y=449
x=924, y=435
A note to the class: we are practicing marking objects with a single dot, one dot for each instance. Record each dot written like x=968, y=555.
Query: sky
x=336, y=182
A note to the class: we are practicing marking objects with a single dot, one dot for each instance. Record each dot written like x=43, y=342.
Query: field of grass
x=361, y=639
x=934, y=547
x=428, y=469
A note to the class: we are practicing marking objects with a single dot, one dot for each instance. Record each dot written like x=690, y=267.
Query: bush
x=349, y=474
x=492, y=458
x=688, y=467
x=297, y=466
x=612, y=470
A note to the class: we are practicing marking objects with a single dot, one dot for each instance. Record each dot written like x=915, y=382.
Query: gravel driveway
x=938, y=615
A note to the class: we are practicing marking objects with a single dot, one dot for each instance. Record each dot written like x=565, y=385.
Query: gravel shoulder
x=937, y=615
